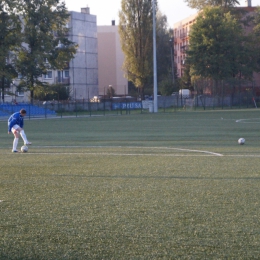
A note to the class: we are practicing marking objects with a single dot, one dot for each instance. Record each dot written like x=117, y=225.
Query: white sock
x=23, y=135
x=15, y=143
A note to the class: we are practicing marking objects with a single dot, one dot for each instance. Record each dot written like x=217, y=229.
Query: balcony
x=64, y=81
x=184, y=35
x=184, y=48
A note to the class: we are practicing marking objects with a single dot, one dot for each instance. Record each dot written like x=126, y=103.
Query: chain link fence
x=205, y=96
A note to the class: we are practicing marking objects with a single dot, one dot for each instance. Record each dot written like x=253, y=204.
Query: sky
x=107, y=10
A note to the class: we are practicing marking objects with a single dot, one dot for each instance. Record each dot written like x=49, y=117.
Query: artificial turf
x=153, y=186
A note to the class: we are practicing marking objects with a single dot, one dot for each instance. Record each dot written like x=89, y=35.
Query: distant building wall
x=181, y=32
x=84, y=67
x=110, y=60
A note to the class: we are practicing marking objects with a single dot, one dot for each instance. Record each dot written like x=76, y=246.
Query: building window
x=66, y=74
x=48, y=75
x=20, y=94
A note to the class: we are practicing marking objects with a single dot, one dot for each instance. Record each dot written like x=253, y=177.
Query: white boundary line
x=133, y=147
x=147, y=154
x=245, y=121
x=244, y=155
x=129, y=154
x=200, y=153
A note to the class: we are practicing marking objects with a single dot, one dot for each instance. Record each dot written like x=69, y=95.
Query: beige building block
x=110, y=61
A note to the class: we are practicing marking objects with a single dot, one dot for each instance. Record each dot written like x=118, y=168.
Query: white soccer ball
x=241, y=140
x=24, y=149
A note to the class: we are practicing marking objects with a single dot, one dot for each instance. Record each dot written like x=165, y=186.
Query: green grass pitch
x=151, y=186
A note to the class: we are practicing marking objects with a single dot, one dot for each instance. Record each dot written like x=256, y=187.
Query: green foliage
x=185, y=81
x=163, y=44
x=52, y=92
x=257, y=22
x=10, y=29
x=255, y=35
x=44, y=27
x=167, y=87
x=200, y=4
x=135, y=29
x=219, y=48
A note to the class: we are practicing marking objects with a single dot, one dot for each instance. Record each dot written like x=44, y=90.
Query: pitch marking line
x=129, y=154
x=243, y=155
x=248, y=121
x=136, y=147
x=147, y=154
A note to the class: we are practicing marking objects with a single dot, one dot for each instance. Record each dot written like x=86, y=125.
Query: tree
x=255, y=35
x=44, y=27
x=200, y=4
x=53, y=92
x=164, y=51
x=219, y=48
x=226, y=5
x=185, y=80
x=9, y=39
x=136, y=32
x=257, y=22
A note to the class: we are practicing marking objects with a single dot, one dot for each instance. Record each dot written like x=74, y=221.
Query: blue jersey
x=15, y=119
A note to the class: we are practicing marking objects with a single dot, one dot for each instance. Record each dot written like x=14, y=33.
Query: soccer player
x=15, y=125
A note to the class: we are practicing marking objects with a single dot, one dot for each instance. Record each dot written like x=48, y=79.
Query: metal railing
x=233, y=97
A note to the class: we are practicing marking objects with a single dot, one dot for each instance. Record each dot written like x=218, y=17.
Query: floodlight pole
x=155, y=91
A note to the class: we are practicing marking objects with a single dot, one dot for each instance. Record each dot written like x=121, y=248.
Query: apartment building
x=181, y=32
x=110, y=60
